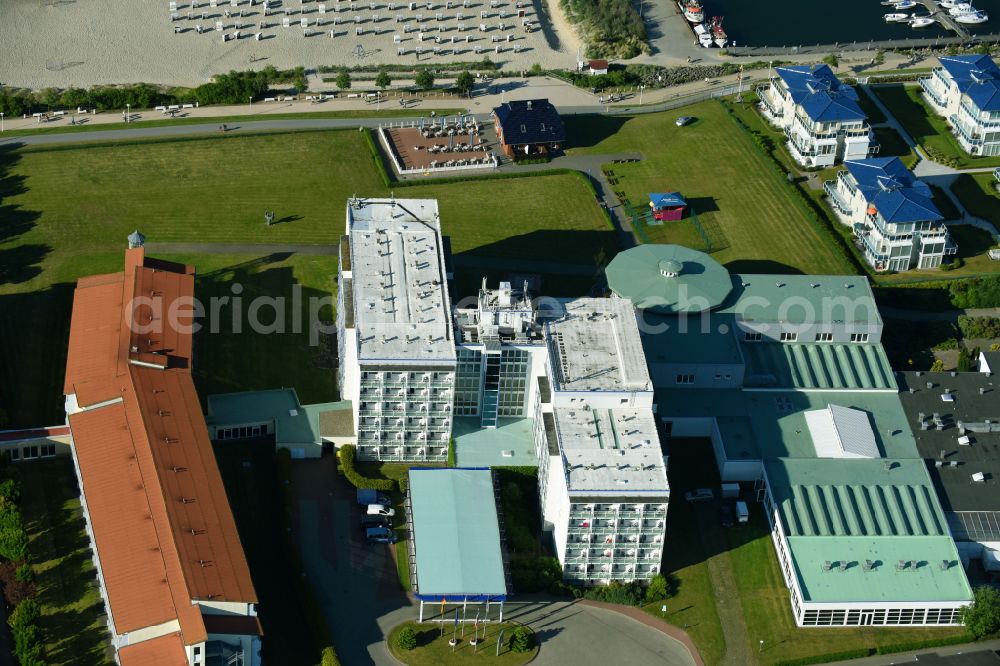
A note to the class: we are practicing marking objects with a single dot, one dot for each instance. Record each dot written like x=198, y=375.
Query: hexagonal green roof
x=669, y=279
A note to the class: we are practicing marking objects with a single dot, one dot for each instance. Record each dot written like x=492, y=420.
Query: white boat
x=947, y=4
x=693, y=11
x=921, y=22
x=896, y=17
x=704, y=35
x=978, y=16
x=961, y=8
x=718, y=34
x=905, y=4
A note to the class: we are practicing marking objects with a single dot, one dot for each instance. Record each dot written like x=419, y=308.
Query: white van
x=742, y=513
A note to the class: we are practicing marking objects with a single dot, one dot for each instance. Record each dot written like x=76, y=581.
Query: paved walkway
x=241, y=248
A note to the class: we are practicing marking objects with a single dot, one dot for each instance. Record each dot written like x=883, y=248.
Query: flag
x=442, y=605
x=456, y=617
x=476, y=625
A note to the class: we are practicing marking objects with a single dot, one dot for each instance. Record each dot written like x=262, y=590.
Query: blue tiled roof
x=820, y=93
x=667, y=199
x=978, y=77
x=893, y=190
x=530, y=121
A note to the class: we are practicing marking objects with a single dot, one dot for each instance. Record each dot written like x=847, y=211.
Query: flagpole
x=464, y=605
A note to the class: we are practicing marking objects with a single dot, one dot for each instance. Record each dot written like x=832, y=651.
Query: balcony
x=929, y=89
x=975, y=118
x=830, y=187
x=773, y=110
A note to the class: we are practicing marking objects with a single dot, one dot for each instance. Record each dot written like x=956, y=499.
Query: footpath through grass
x=72, y=618
x=928, y=129
x=742, y=205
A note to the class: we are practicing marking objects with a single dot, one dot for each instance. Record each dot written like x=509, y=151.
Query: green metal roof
x=476, y=446
x=669, y=279
x=757, y=425
x=705, y=342
x=884, y=583
x=798, y=299
x=855, y=497
x=456, y=534
x=818, y=366
x=247, y=407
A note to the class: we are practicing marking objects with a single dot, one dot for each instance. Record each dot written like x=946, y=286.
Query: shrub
x=407, y=639
x=946, y=345
x=937, y=365
x=16, y=590
x=657, y=589
x=383, y=80
x=626, y=594
x=346, y=455
x=979, y=327
x=464, y=83
x=981, y=292
x=982, y=617
x=24, y=574
x=329, y=657
x=521, y=640
x=827, y=658
x=343, y=80
x=921, y=645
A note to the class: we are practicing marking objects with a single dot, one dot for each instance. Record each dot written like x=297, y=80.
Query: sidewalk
x=914, y=656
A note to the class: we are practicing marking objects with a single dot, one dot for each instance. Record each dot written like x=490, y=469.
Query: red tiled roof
x=598, y=64
x=162, y=651
x=162, y=524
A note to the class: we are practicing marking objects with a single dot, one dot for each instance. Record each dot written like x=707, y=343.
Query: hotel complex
x=169, y=562
x=819, y=115
x=787, y=377
x=892, y=214
x=965, y=90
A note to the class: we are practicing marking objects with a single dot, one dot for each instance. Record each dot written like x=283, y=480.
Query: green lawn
x=433, y=648
x=768, y=613
x=926, y=127
x=891, y=144
x=72, y=622
x=875, y=115
x=742, y=204
x=977, y=192
x=65, y=213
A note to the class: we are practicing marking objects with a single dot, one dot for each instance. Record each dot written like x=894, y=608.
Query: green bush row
x=827, y=658
x=979, y=327
x=377, y=158
x=28, y=645
x=907, y=646
x=310, y=605
x=484, y=65
x=232, y=88
x=346, y=454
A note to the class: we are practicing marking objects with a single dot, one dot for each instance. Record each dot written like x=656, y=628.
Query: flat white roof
x=595, y=346
x=613, y=451
x=841, y=432
x=401, y=307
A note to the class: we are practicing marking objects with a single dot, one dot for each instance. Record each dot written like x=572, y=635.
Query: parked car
x=699, y=495
x=380, y=510
x=742, y=512
x=380, y=535
x=368, y=522
x=683, y=120
x=726, y=515
x=369, y=496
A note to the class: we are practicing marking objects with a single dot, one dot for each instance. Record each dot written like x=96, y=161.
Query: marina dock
x=944, y=18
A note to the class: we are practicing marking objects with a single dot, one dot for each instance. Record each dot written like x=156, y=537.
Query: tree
x=383, y=80
x=343, y=80
x=424, y=79
x=880, y=57
x=657, y=589
x=536, y=69
x=407, y=639
x=832, y=60
x=937, y=365
x=464, y=83
x=982, y=618
x=521, y=640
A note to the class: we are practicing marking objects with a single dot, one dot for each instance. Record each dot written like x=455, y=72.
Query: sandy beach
x=65, y=43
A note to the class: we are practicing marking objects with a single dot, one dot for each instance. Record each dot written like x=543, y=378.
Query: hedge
x=347, y=454
x=827, y=658
x=377, y=158
x=920, y=645
x=311, y=608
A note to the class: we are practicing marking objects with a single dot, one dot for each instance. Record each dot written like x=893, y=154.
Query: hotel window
x=15, y=453
x=788, y=336
x=30, y=452
x=859, y=337
x=824, y=337
x=685, y=379
x=752, y=336
x=48, y=450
